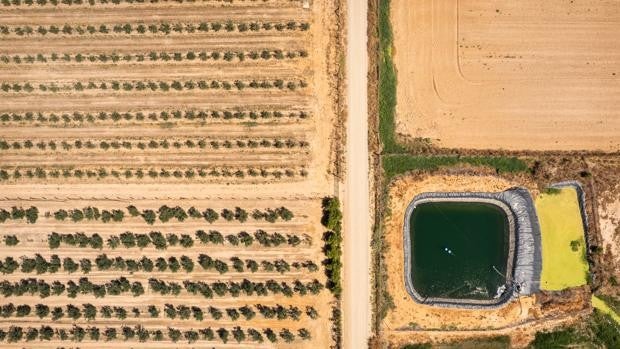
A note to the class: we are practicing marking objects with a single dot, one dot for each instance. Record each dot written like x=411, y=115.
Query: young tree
x=149, y=216
x=69, y=265
x=89, y=311
x=22, y=310
x=174, y=334
x=215, y=313
x=11, y=240
x=287, y=335
x=247, y=312
x=223, y=334
x=186, y=241
x=187, y=264
x=42, y=310
x=240, y=214
x=238, y=334
x=210, y=215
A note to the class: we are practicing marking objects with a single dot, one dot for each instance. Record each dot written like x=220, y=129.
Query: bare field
x=502, y=75
x=176, y=154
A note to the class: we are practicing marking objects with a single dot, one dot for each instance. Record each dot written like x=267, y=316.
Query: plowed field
x=525, y=75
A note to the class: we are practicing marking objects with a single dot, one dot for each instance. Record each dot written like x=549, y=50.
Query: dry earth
x=525, y=75
x=609, y=222
x=255, y=148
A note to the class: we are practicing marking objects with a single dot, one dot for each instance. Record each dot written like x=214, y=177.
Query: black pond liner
x=524, y=255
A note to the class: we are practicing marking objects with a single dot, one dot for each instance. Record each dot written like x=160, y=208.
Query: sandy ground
x=609, y=222
x=302, y=195
x=505, y=75
x=356, y=297
x=316, y=99
x=410, y=320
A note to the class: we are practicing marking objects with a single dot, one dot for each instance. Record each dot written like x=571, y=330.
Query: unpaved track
x=111, y=102
x=356, y=300
x=147, y=44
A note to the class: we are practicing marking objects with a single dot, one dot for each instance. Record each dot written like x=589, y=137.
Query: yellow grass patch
x=563, y=243
x=604, y=308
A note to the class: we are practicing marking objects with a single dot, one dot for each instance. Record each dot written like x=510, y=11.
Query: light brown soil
x=301, y=194
x=317, y=99
x=410, y=321
x=609, y=222
x=525, y=75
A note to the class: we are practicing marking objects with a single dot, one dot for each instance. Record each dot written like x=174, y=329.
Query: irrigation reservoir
x=460, y=250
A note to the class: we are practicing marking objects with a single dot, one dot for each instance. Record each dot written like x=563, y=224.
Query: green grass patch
x=498, y=342
x=332, y=220
x=396, y=164
x=387, y=82
x=612, y=302
x=563, y=242
x=552, y=191
x=605, y=308
x=598, y=331
x=560, y=339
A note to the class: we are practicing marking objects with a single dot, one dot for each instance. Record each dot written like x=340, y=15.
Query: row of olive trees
x=138, y=333
x=122, y=285
x=40, y=265
x=165, y=213
x=10, y=240
x=154, y=28
x=30, y=214
x=234, y=289
x=154, y=56
x=90, y=312
x=103, y=2
x=164, y=115
x=332, y=220
x=154, y=144
x=139, y=173
x=72, y=289
x=162, y=242
x=151, y=85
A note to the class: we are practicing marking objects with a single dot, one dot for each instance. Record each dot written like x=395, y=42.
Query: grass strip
x=604, y=308
x=332, y=220
x=397, y=164
x=387, y=82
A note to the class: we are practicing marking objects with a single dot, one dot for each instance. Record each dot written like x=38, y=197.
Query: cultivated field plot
x=525, y=75
x=204, y=272
x=174, y=155
x=141, y=91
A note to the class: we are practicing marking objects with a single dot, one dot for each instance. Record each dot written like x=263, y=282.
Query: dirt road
x=356, y=301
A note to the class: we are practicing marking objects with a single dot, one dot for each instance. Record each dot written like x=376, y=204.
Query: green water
x=476, y=236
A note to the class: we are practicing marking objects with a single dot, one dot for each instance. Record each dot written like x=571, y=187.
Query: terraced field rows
x=247, y=65
x=162, y=166
x=202, y=262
